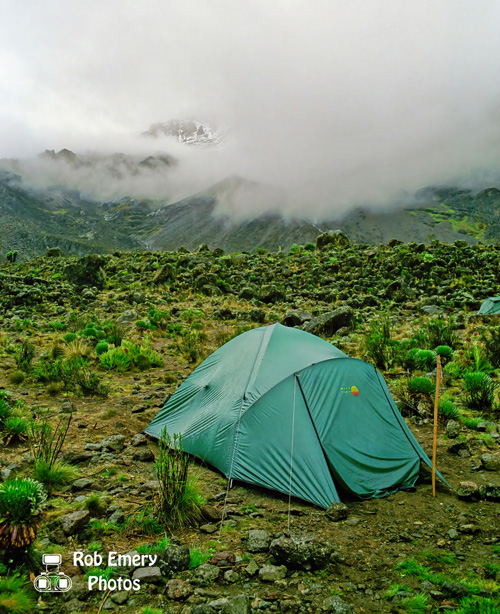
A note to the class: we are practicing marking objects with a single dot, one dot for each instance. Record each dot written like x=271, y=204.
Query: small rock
x=68, y=407
x=150, y=486
x=453, y=429
x=301, y=553
x=335, y=605
x=272, y=573
x=296, y=318
x=331, y=322
x=491, y=462
x=455, y=589
x=138, y=440
x=337, y=511
x=231, y=576
x=178, y=589
x=223, y=559
x=75, y=458
x=81, y=484
x=468, y=529
x=207, y=572
x=57, y=537
x=143, y=454
x=258, y=541
x=252, y=568
x=459, y=448
x=147, y=574
x=240, y=604
x=468, y=490
x=120, y=597
x=490, y=492
x=211, y=513
x=117, y=517
x=452, y=534
x=174, y=558
x=138, y=409
x=208, y=528
x=116, y=443
x=72, y=523
x=94, y=447
x=482, y=427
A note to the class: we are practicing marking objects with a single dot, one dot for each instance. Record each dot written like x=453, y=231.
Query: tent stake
x=434, y=442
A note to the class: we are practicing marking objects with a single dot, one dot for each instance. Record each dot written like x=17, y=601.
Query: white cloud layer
x=338, y=102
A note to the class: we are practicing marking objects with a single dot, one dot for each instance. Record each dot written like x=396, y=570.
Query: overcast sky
x=341, y=101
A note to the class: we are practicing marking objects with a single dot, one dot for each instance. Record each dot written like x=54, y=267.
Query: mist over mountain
x=339, y=105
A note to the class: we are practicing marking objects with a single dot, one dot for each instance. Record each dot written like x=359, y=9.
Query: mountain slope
x=221, y=216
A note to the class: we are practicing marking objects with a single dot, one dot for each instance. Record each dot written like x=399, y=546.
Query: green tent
x=281, y=408
x=491, y=306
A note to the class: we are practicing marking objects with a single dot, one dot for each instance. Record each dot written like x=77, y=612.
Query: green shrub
x=16, y=426
x=480, y=390
x=426, y=359
x=415, y=604
x=445, y=352
x=130, y=355
x=447, y=410
x=478, y=605
x=380, y=348
x=437, y=332
x=115, y=333
x=15, y=596
x=116, y=358
x=20, y=505
x=472, y=423
x=47, y=370
x=491, y=340
x=95, y=505
x=17, y=377
x=76, y=373
x=101, y=347
x=5, y=411
x=178, y=502
x=197, y=557
x=409, y=360
x=69, y=337
x=24, y=355
x=54, y=475
x=21, y=499
x=141, y=324
x=154, y=359
x=156, y=547
x=421, y=385
x=90, y=332
x=454, y=369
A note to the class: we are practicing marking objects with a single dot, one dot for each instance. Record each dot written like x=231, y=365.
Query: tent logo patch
x=349, y=390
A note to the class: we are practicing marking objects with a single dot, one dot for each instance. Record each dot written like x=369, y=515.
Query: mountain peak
x=188, y=131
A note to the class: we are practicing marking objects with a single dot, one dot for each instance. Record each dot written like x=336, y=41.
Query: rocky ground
x=410, y=552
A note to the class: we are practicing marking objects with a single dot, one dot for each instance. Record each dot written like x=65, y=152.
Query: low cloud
x=329, y=105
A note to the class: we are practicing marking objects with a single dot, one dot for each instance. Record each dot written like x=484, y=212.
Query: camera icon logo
x=52, y=580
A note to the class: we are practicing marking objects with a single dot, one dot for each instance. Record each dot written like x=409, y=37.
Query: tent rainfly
x=491, y=306
x=284, y=409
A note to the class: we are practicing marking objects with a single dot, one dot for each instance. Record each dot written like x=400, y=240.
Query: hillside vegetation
x=92, y=346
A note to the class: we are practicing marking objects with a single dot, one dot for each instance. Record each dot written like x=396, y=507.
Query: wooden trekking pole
x=434, y=443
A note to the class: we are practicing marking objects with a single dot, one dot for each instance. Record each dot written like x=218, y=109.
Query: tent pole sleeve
x=297, y=376
x=263, y=344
